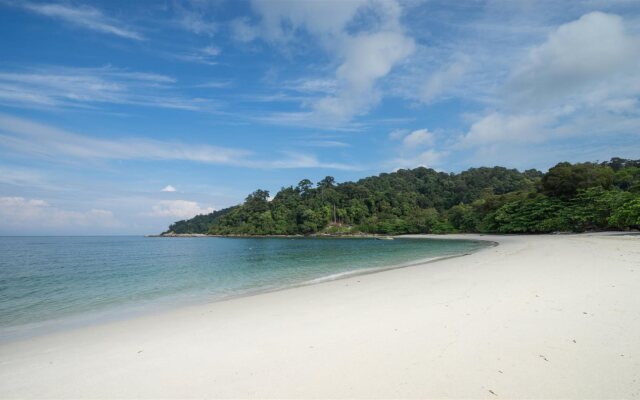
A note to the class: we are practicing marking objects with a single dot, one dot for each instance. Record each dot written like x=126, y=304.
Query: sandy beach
x=551, y=316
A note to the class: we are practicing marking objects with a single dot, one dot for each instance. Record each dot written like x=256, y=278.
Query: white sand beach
x=553, y=316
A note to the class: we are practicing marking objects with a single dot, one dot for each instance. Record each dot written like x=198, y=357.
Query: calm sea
x=47, y=283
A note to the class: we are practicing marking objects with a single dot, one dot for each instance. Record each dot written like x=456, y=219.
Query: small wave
x=366, y=271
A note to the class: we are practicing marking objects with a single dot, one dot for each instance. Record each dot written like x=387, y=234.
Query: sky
x=120, y=117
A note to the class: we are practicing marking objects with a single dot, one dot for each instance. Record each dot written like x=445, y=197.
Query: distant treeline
x=569, y=197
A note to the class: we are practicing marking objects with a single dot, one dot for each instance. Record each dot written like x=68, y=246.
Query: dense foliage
x=199, y=223
x=569, y=197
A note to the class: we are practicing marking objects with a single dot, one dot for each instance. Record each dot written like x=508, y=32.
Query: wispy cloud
x=324, y=143
x=169, y=189
x=206, y=55
x=81, y=16
x=41, y=140
x=27, y=136
x=311, y=85
x=243, y=31
x=295, y=160
x=16, y=212
x=215, y=84
x=61, y=87
x=196, y=16
x=16, y=176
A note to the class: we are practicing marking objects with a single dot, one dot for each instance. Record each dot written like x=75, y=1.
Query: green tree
x=627, y=216
x=585, y=196
x=564, y=180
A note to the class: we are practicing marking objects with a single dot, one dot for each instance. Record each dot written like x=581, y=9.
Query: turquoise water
x=46, y=282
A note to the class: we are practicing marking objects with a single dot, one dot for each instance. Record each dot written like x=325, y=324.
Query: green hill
x=569, y=197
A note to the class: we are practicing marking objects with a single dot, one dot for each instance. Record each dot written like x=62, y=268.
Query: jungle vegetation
x=568, y=198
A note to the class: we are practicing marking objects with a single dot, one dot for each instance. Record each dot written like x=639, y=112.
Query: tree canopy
x=569, y=197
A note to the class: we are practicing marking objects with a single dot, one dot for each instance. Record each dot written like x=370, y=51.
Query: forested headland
x=568, y=198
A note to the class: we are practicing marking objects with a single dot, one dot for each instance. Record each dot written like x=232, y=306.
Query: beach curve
x=537, y=316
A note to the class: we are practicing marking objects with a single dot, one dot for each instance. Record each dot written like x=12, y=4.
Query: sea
x=54, y=283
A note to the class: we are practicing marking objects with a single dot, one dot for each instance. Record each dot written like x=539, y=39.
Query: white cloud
x=593, y=57
x=418, y=137
x=211, y=51
x=16, y=212
x=325, y=143
x=312, y=85
x=27, y=136
x=582, y=81
x=505, y=128
x=428, y=158
x=299, y=160
x=206, y=55
x=442, y=81
x=88, y=87
x=196, y=16
x=281, y=20
x=243, y=31
x=366, y=58
x=222, y=84
x=20, y=176
x=363, y=56
x=398, y=134
x=416, y=149
x=412, y=139
x=33, y=138
x=82, y=16
x=168, y=188
x=178, y=209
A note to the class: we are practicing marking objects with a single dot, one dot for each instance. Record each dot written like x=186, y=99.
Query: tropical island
x=578, y=197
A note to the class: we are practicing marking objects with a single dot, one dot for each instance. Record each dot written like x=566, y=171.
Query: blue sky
x=121, y=117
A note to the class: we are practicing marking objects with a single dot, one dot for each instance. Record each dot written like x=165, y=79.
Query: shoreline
x=382, y=236
x=177, y=302
x=242, y=236
x=537, y=316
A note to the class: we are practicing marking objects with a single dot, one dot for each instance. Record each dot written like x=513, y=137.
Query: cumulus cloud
x=411, y=139
x=419, y=137
x=364, y=56
x=283, y=19
x=178, y=209
x=416, y=149
x=428, y=158
x=398, y=134
x=593, y=56
x=506, y=128
x=583, y=80
x=16, y=212
x=168, y=188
